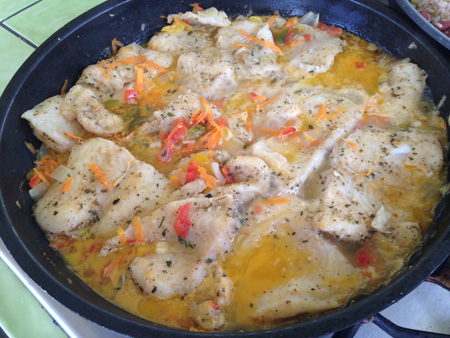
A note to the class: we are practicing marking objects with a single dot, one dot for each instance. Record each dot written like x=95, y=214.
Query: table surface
x=26, y=24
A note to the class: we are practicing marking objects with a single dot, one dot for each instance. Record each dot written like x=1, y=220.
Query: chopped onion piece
x=116, y=182
x=381, y=220
x=217, y=173
x=38, y=191
x=60, y=173
x=162, y=247
x=401, y=152
x=310, y=19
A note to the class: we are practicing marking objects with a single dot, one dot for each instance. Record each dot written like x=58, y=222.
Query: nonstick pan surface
x=85, y=41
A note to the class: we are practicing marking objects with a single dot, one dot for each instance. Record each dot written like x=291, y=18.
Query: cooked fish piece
x=51, y=127
x=189, y=190
x=315, y=55
x=326, y=127
x=216, y=293
x=356, y=201
x=133, y=187
x=181, y=42
x=208, y=17
x=256, y=60
x=390, y=153
x=82, y=104
x=396, y=246
x=226, y=37
x=347, y=207
x=168, y=274
x=214, y=224
x=401, y=96
x=208, y=72
x=112, y=75
x=252, y=178
x=322, y=285
x=292, y=218
x=182, y=106
x=163, y=59
x=280, y=113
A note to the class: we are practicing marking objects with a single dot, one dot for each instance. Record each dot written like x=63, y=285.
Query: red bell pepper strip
x=288, y=132
x=289, y=34
x=364, y=257
x=335, y=31
x=198, y=8
x=182, y=222
x=175, y=135
x=130, y=94
x=192, y=173
x=34, y=182
x=227, y=174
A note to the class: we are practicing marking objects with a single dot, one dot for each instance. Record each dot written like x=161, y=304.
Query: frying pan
x=83, y=42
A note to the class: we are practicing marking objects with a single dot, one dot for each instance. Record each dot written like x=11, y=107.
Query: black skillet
x=83, y=42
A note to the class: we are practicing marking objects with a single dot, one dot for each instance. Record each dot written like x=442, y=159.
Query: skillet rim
x=337, y=320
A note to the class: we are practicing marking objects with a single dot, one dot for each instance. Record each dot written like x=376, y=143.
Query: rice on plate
x=437, y=12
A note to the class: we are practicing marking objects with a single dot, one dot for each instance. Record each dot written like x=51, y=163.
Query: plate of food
x=228, y=170
x=433, y=16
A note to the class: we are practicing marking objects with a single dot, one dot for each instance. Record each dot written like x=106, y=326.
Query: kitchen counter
x=25, y=309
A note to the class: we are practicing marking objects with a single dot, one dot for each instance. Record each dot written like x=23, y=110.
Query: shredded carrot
x=198, y=117
x=219, y=103
x=272, y=19
x=331, y=116
x=100, y=175
x=240, y=44
x=255, y=97
x=64, y=87
x=155, y=66
x=139, y=84
x=41, y=176
x=212, y=137
x=138, y=229
x=322, y=111
x=109, y=268
x=442, y=123
x=111, y=66
x=269, y=101
x=257, y=41
x=73, y=136
x=133, y=60
x=115, y=43
x=413, y=167
x=67, y=185
x=351, y=144
x=209, y=180
x=276, y=200
x=287, y=25
x=249, y=120
x=121, y=234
